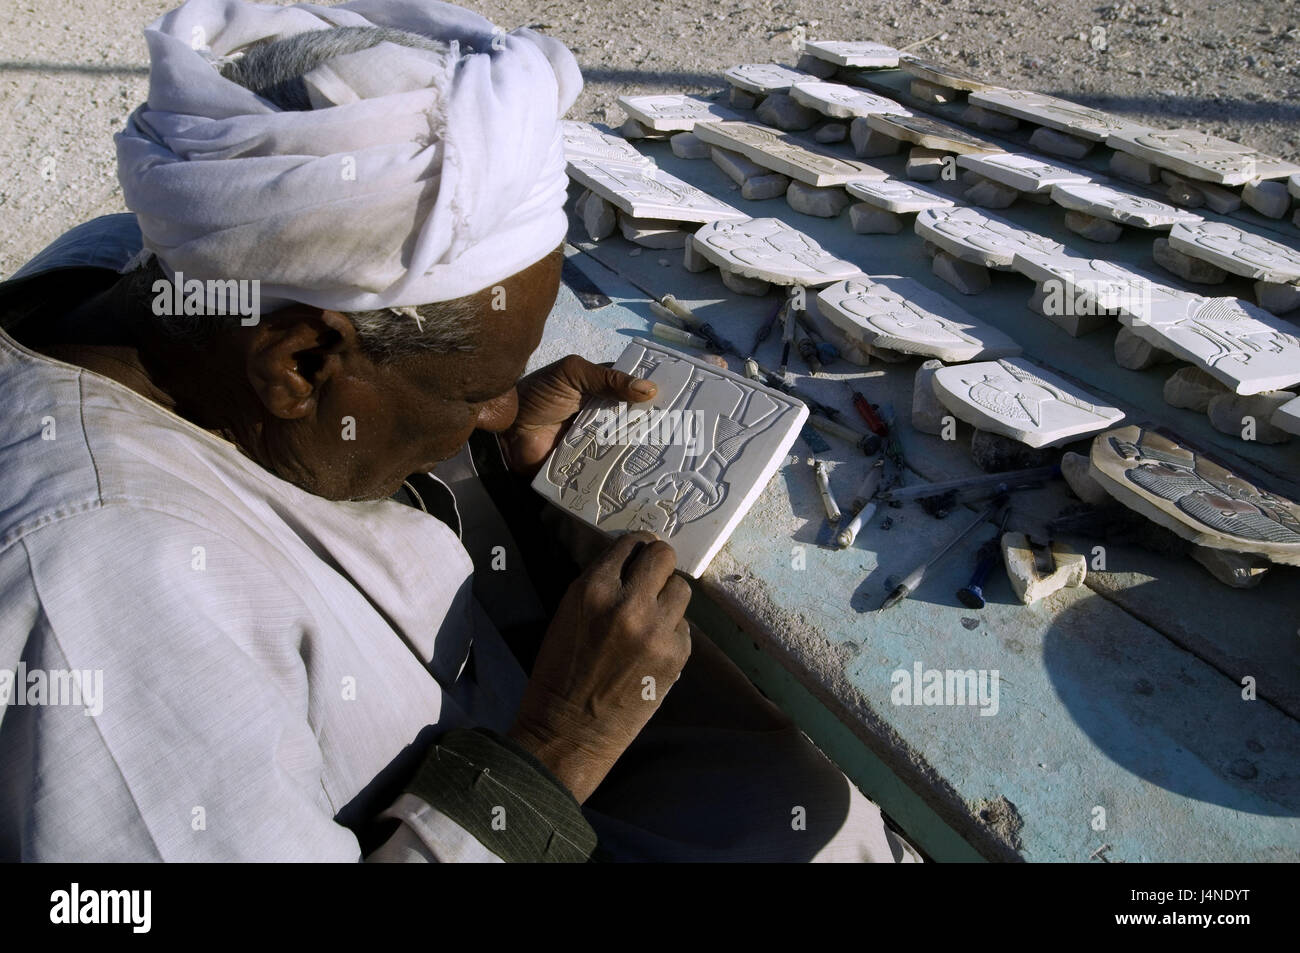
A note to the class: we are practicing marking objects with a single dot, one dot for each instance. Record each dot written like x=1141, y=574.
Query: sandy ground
x=70, y=72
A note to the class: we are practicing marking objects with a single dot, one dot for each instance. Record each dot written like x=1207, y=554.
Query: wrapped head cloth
x=420, y=175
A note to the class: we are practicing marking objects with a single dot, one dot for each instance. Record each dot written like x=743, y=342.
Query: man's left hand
x=550, y=397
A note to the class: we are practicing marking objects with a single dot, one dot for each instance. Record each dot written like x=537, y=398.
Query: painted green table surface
x=1125, y=728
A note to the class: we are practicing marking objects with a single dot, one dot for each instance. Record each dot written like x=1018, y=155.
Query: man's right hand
x=620, y=625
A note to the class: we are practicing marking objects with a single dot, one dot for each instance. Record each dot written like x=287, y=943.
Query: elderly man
x=195, y=526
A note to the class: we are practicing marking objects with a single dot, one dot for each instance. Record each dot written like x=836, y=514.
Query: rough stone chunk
x=821, y=202
x=767, y=186
x=1238, y=570
x=738, y=168
x=1185, y=266
x=633, y=130
x=1130, y=167
x=995, y=453
x=818, y=67
x=1193, y=389
x=1267, y=198
x=869, y=220
x=869, y=143
x=987, y=119
x=1030, y=585
x=599, y=217
x=930, y=93
x=1135, y=354
x=925, y=165
x=1092, y=228
x=1277, y=297
x=1059, y=143
x=687, y=145
x=743, y=285
x=831, y=132
x=652, y=233
x=927, y=412
x=1184, y=194
x=1231, y=413
x=693, y=261
x=965, y=276
x=1077, y=470
x=742, y=99
x=989, y=194
x=781, y=111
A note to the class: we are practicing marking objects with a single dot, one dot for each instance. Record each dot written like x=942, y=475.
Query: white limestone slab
x=950, y=77
x=582, y=140
x=930, y=133
x=1236, y=251
x=1100, y=283
x=1194, y=495
x=889, y=311
x=980, y=238
x=1287, y=417
x=1116, y=205
x=799, y=159
x=1054, y=113
x=1199, y=155
x=1026, y=173
x=764, y=78
x=859, y=53
x=686, y=465
x=674, y=113
x=646, y=191
x=1240, y=344
x=770, y=250
x=843, y=102
x=899, y=197
x=1022, y=401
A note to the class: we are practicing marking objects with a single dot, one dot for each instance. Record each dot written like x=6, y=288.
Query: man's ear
x=292, y=353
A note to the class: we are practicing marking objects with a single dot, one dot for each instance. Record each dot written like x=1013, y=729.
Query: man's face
x=374, y=424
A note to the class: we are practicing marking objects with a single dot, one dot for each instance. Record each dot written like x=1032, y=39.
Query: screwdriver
x=909, y=583
x=868, y=413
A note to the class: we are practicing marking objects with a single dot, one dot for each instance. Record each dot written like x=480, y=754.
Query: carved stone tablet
x=646, y=191
x=1199, y=155
x=843, y=102
x=1287, y=417
x=1026, y=173
x=804, y=161
x=1236, y=251
x=895, y=196
x=1195, y=496
x=980, y=238
x=1021, y=400
x=674, y=113
x=1242, y=345
x=582, y=140
x=1116, y=205
x=930, y=133
x=1059, y=114
x=770, y=250
x=764, y=78
x=853, y=54
x=686, y=465
x=940, y=75
x=900, y=314
x=1092, y=280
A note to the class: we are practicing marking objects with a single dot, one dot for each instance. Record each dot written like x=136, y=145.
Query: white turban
x=429, y=176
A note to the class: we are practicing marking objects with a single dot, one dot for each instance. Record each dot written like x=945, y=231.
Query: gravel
x=70, y=72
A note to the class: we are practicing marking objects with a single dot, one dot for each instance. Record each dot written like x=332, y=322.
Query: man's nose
x=499, y=412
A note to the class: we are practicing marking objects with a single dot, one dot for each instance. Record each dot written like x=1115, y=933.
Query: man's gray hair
x=275, y=71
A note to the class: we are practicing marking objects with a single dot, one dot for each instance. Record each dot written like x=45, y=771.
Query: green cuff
x=504, y=797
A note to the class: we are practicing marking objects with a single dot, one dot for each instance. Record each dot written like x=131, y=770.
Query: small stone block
x=652, y=233
x=1029, y=584
x=1062, y=313
x=989, y=194
x=1130, y=167
x=1268, y=198
x=693, y=261
x=738, y=168
x=869, y=143
x=1193, y=389
x=1135, y=354
x=819, y=202
x=781, y=111
x=927, y=412
x=1092, y=228
x=930, y=93
x=632, y=129
x=1277, y=297
x=1185, y=266
x=831, y=132
x=986, y=119
x=1059, y=143
x=816, y=66
x=1238, y=570
x=997, y=453
x=767, y=186
x=742, y=99
x=743, y=285
x=1077, y=471
x=965, y=276
x=925, y=165
x=1248, y=417
x=869, y=220
x=599, y=218
x=687, y=145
